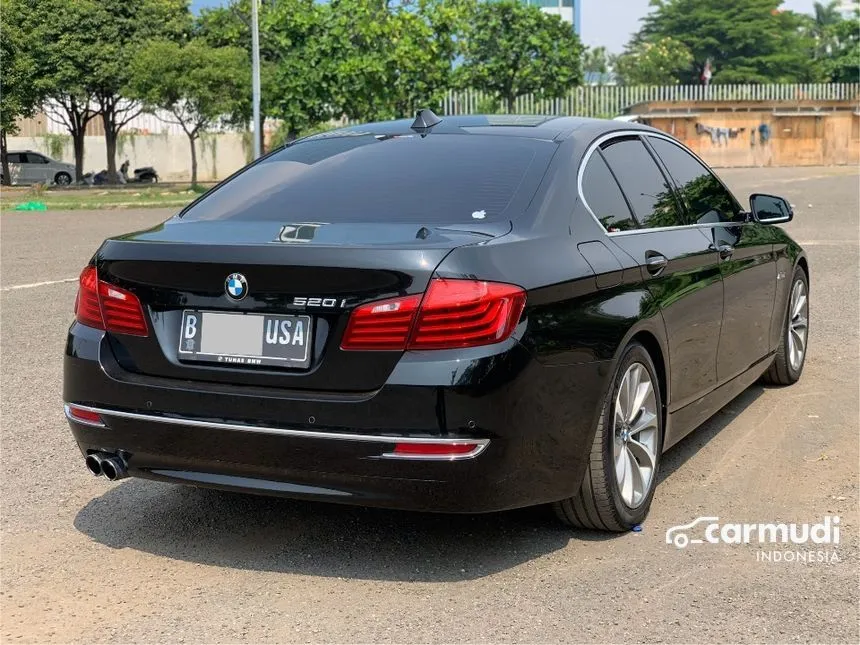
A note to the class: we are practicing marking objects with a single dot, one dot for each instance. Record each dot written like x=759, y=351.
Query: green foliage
x=197, y=84
x=843, y=63
x=357, y=58
x=837, y=42
x=21, y=93
x=511, y=49
x=662, y=62
x=596, y=60
x=56, y=144
x=748, y=41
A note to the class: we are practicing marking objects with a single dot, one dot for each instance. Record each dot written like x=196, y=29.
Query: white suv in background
x=28, y=167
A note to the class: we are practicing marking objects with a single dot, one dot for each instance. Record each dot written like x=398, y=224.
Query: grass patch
x=96, y=198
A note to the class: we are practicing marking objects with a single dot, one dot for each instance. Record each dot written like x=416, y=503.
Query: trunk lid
x=304, y=268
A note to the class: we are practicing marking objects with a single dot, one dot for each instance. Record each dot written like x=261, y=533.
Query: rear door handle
x=655, y=262
x=725, y=250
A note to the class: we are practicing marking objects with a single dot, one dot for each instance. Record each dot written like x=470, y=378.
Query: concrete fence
x=808, y=124
x=218, y=155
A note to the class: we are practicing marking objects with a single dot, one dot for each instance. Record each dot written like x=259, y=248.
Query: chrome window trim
x=620, y=134
x=481, y=444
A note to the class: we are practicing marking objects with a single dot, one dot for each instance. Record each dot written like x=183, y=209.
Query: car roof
x=551, y=128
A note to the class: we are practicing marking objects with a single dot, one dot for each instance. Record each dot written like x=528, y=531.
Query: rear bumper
x=534, y=425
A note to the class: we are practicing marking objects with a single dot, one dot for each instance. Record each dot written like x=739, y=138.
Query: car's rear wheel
x=619, y=482
x=62, y=179
x=791, y=355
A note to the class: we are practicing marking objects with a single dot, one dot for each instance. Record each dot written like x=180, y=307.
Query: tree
x=20, y=94
x=361, y=59
x=597, y=62
x=513, y=49
x=195, y=83
x=843, y=63
x=426, y=40
x=748, y=41
x=123, y=28
x=59, y=35
x=663, y=62
x=293, y=58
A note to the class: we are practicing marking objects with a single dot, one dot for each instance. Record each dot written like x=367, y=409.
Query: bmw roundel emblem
x=236, y=286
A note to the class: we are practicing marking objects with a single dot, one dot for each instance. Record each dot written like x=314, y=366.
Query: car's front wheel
x=619, y=482
x=62, y=179
x=791, y=354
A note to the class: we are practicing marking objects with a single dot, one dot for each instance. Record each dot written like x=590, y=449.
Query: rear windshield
x=362, y=177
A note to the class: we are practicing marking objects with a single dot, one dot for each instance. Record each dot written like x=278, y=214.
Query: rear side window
x=604, y=197
x=706, y=199
x=14, y=157
x=643, y=183
x=364, y=177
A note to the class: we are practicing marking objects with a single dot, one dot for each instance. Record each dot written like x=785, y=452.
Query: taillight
x=453, y=313
x=87, y=309
x=466, y=313
x=382, y=325
x=105, y=306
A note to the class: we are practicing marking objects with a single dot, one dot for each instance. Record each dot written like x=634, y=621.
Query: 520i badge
x=320, y=302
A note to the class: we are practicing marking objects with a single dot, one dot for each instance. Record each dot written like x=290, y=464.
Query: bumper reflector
x=84, y=416
x=442, y=450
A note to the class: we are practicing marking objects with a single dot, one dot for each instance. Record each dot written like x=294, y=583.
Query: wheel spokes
x=644, y=391
x=636, y=427
x=798, y=300
x=798, y=325
x=626, y=483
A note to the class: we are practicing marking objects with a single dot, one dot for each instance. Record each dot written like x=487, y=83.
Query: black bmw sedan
x=476, y=315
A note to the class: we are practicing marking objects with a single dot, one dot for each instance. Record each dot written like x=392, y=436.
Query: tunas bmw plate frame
x=246, y=339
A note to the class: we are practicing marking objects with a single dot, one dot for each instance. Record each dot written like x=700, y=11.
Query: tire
x=62, y=179
x=601, y=502
x=787, y=366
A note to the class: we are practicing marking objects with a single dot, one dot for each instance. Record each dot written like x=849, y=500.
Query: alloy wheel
x=798, y=325
x=635, y=435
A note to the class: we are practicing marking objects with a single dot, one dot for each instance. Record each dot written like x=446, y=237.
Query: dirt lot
x=84, y=560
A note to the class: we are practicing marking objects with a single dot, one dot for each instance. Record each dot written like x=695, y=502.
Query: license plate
x=246, y=339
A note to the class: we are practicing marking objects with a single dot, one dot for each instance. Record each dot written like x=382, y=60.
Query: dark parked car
x=484, y=314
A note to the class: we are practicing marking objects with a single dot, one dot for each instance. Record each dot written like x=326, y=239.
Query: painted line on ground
x=33, y=285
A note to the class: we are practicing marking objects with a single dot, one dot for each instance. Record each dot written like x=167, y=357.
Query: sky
x=607, y=23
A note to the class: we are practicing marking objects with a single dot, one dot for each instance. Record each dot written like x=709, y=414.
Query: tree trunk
x=7, y=178
x=76, y=115
x=78, y=145
x=110, y=144
x=510, y=100
x=193, y=139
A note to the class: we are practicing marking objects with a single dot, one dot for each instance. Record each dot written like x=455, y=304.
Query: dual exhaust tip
x=107, y=465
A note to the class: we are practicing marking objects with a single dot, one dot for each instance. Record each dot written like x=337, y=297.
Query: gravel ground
x=84, y=560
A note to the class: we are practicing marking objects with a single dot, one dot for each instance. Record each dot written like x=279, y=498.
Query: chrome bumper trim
x=290, y=432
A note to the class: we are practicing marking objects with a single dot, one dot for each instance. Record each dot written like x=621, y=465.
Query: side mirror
x=770, y=209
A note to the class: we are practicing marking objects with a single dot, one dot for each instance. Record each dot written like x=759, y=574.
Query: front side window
x=646, y=188
x=604, y=197
x=705, y=198
x=34, y=158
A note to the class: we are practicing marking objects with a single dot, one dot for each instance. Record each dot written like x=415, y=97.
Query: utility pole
x=255, y=73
